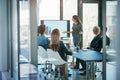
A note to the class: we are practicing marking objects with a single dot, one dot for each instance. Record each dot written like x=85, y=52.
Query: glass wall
x=111, y=21
x=24, y=31
x=24, y=14
x=111, y=24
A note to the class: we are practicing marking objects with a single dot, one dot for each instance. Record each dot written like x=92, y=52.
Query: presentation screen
x=62, y=25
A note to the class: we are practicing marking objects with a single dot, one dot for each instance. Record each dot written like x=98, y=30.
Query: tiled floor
x=75, y=75
x=29, y=72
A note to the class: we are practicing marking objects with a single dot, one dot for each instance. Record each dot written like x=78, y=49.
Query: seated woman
x=57, y=45
x=41, y=39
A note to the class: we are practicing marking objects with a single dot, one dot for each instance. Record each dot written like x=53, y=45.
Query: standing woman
x=77, y=37
x=77, y=31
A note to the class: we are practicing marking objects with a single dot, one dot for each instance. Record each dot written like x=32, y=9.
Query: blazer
x=63, y=51
x=94, y=41
x=99, y=43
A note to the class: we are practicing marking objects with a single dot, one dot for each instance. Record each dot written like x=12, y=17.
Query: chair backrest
x=57, y=58
x=42, y=52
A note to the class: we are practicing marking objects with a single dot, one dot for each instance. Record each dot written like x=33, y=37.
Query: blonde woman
x=57, y=45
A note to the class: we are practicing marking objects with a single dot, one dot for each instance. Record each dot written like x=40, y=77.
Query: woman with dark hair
x=57, y=45
x=41, y=39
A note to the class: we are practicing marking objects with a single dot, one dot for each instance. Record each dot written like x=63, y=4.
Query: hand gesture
x=64, y=32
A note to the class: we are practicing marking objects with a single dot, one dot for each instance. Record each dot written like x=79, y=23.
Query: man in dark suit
x=96, y=31
x=96, y=44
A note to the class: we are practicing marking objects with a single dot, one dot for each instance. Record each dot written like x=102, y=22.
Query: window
x=24, y=31
x=90, y=19
x=48, y=10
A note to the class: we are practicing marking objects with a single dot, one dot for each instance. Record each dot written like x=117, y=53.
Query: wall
x=3, y=35
x=118, y=42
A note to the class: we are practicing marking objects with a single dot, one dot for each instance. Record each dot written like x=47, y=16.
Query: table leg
x=73, y=66
x=92, y=70
x=73, y=62
x=87, y=70
x=66, y=69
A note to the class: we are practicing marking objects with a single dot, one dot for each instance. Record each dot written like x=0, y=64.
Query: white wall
x=3, y=35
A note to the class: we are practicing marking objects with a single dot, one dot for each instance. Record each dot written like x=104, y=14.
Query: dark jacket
x=99, y=43
x=94, y=41
x=63, y=51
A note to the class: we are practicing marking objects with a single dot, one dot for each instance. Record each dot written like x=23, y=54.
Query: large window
x=90, y=19
x=69, y=9
x=48, y=10
x=24, y=30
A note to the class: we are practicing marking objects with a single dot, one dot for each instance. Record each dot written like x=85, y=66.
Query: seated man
x=96, y=31
x=96, y=44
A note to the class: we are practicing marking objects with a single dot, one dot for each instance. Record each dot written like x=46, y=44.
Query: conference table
x=89, y=56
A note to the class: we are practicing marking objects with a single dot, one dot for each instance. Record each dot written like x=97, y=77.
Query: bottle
x=77, y=49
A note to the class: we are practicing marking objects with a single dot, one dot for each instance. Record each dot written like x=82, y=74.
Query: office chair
x=43, y=60
x=57, y=60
